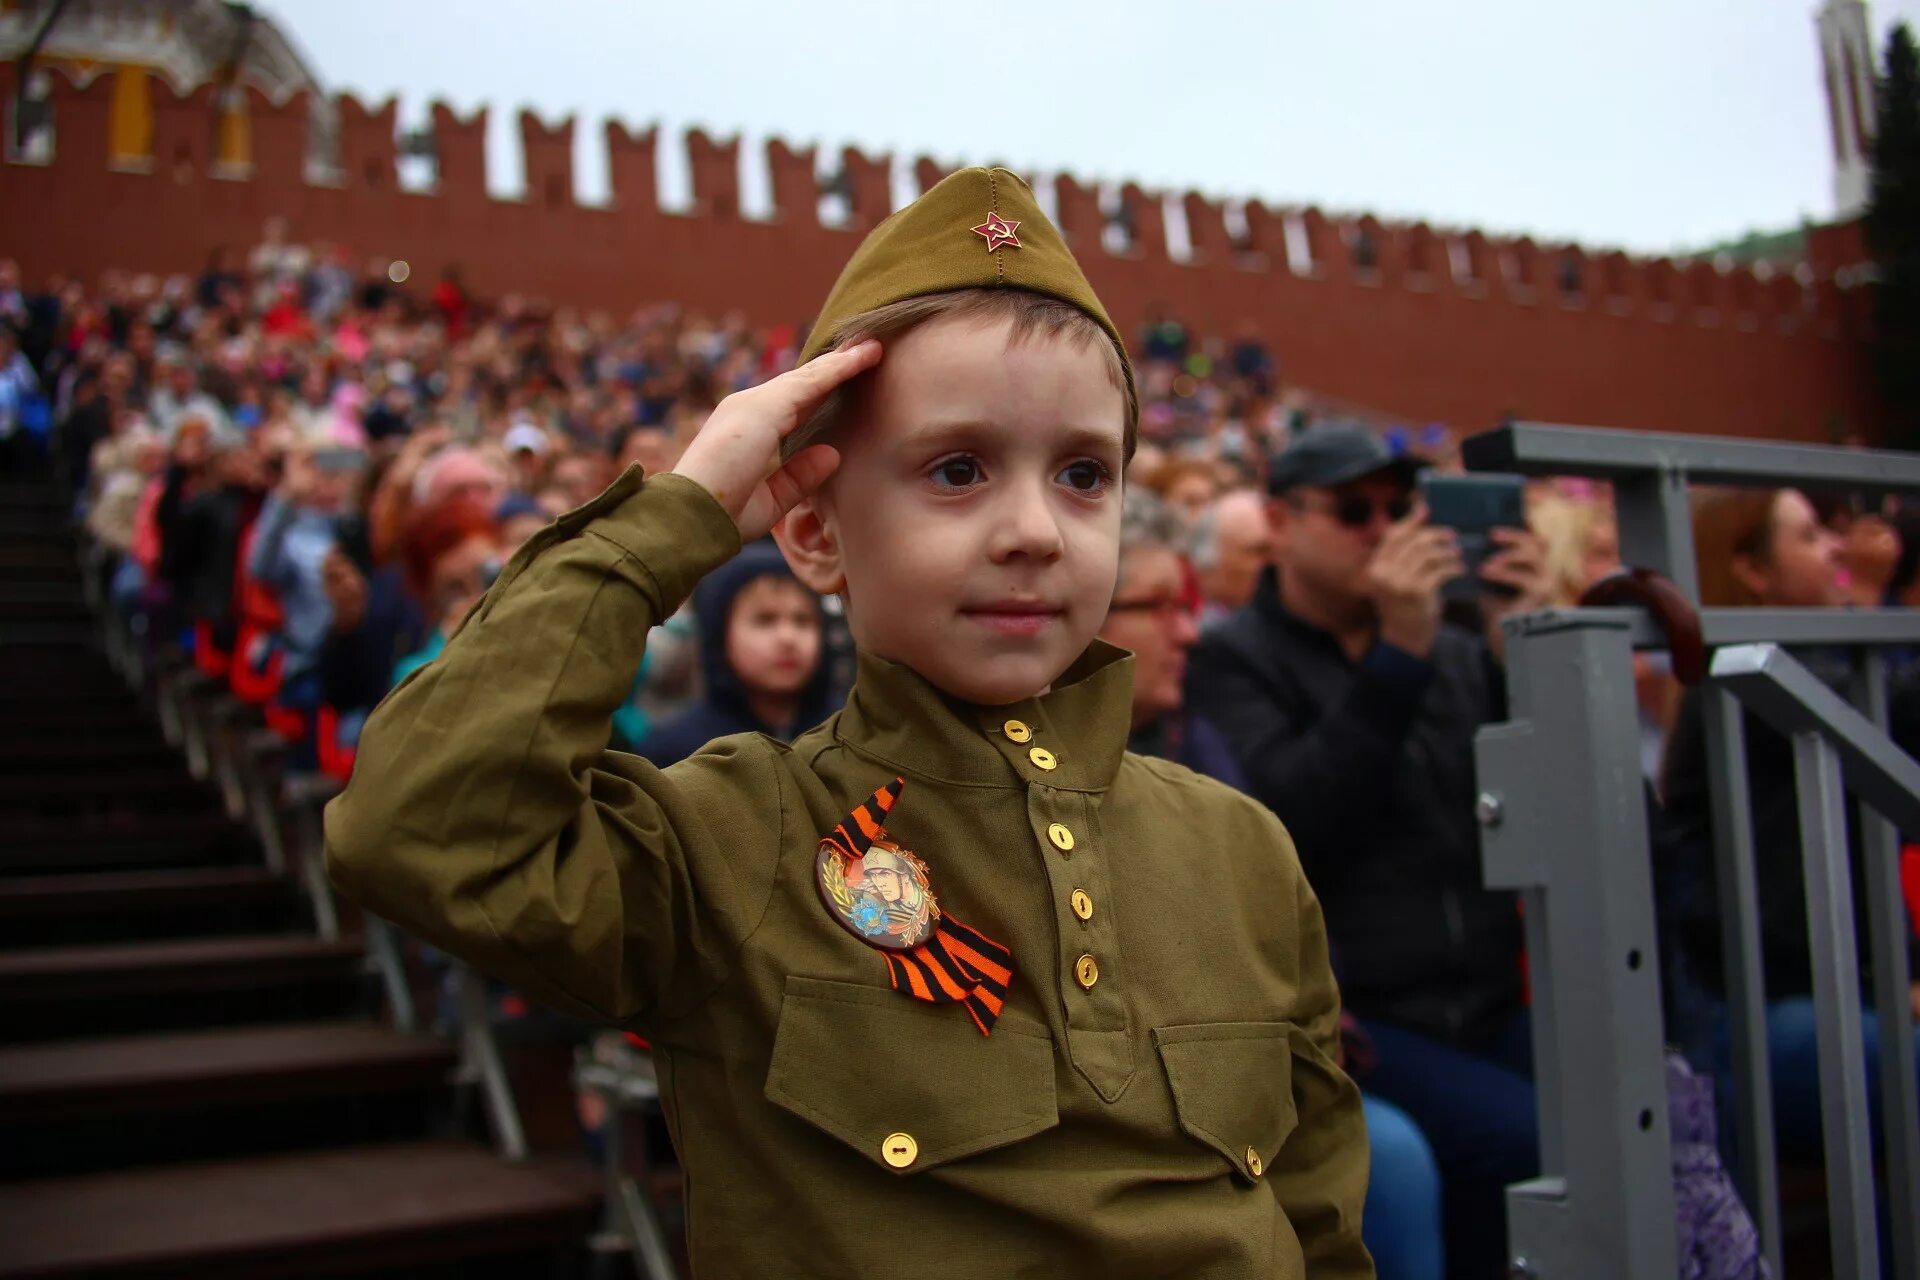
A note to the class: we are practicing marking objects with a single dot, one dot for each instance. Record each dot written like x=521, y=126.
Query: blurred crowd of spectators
x=305, y=474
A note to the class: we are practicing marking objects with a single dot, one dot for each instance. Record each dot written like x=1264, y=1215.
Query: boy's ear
x=807, y=538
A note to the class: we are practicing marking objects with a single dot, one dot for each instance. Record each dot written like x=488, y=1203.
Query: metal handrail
x=1566, y=809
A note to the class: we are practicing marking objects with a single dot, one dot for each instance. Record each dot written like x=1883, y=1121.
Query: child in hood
x=760, y=659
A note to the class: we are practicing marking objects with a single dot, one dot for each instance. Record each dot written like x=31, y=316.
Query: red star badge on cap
x=998, y=231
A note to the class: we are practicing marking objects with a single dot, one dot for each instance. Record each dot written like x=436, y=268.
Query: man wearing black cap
x=1352, y=707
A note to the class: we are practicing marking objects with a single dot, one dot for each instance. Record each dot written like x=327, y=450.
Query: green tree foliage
x=1893, y=234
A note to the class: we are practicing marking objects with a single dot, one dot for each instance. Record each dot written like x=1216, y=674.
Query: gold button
x=900, y=1150
x=1087, y=970
x=1042, y=758
x=1253, y=1162
x=1017, y=730
x=1082, y=904
x=1062, y=838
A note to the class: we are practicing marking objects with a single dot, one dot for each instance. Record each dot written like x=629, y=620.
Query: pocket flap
x=909, y=1085
x=1233, y=1088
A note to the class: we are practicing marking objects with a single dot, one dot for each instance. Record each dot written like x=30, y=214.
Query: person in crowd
x=518, y=517
x=451, y=555
x=527, y=449
x=1578, y=538
x=122, y=466
x=1762, y=548
x=961, y=494
x=760, y=659
x=651, y=447
x=375, y=622
x=1232, y=544
x=91, y=406
x=1187, y=485
x=1352, y=709
x=296, y=530
x=18, y=382
x=179, y=396
x=1154, y=617
x=1582, y=545
x=1869, y=553
x=214, y=489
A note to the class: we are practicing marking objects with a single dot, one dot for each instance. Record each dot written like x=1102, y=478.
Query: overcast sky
x=1649, y=124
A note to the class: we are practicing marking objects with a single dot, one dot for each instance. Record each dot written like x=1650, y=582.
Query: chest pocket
x=908, y=1085
x=1233, y=1087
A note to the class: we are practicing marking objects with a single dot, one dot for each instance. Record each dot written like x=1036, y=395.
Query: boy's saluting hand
x=733, y=456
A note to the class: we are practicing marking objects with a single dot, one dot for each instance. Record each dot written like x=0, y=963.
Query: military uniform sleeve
x=1321, y=1173
x=486, y=815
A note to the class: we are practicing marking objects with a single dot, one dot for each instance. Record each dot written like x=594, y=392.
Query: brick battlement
x=1417, y=320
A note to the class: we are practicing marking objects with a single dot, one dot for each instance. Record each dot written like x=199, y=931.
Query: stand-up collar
x=1080, y=725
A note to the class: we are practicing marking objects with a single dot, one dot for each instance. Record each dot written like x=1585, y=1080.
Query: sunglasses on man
x=1357, y=510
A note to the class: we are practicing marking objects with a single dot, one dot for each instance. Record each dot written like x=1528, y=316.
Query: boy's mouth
x=1015, y=617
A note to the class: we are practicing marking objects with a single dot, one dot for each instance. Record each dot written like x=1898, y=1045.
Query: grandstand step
x=104, y=798
x=105, y=712
x=157, y=840
x=24, y=595
x=62, y=992
x=76, y=631
x=21, y=696
x=95, y=755
x=118, y=906
x=35, y=568
x=69, y=1106
x=314, y=1213
x=126, y=1074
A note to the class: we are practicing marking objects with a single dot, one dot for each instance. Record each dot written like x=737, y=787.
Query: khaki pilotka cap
x=974, y=229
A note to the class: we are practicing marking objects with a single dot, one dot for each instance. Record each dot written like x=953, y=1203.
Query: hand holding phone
x=1474, y=506
x=1414, y=559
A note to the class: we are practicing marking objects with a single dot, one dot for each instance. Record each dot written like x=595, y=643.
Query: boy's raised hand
x=734, y=457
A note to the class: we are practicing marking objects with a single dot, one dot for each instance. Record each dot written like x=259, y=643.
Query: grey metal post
x=1887, y=933
x=1836, y=997
x=481, y=1066
x=1564, y=816
x=1755, y=1170
x=1655, y=518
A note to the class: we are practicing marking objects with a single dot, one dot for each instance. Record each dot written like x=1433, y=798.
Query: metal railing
x=1564, y=811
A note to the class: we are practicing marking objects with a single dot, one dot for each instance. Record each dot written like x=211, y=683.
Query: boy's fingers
x=802, y=474
x=804, y=388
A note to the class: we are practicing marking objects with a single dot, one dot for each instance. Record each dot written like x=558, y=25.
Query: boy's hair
x=1032, y=314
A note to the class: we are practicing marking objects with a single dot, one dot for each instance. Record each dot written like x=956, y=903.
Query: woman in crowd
x=450, y=553
x=1766, y=549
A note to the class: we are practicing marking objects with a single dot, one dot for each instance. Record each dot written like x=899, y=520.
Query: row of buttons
x=1086, y=969
x=900, y=1150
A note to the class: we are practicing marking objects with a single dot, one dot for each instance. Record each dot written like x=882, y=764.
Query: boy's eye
x=1085, y=476
x=957, y=472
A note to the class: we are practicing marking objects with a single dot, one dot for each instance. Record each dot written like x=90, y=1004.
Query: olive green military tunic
x=1159, y=1097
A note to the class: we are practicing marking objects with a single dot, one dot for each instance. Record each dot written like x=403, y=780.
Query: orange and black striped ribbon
x=958, y=964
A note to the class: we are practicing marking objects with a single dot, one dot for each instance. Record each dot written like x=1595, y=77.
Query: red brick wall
x=1647, y=343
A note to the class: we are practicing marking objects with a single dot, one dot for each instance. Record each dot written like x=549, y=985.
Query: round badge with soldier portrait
x=882, y=897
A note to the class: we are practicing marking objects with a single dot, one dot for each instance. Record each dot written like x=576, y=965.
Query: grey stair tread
x=138, y=890
x=226, y=1065
x=240, y=1217
x=132, y=968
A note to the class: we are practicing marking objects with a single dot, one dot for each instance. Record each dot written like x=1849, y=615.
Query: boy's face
x=773, y=636
x=974, y=523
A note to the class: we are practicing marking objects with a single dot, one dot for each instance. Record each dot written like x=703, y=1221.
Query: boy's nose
x=1025, y=526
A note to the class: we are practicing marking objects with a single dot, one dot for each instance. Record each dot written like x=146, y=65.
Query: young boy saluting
x=936, y=987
